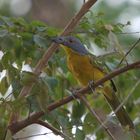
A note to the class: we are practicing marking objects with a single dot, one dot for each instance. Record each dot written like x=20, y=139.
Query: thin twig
x=123, y=102
x=35, y=135
x=97, y=117
x=107, y=54
x=5, y=134
x=15, y=127
x=128, y=33
x=128, y=96
x=68, y=128
x=53, y=129
x=132, y=47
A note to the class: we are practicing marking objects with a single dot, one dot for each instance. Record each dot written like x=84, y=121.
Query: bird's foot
x=90, y=85
x=73, y=92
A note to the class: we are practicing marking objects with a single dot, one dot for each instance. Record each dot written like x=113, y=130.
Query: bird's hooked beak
x=58, y=40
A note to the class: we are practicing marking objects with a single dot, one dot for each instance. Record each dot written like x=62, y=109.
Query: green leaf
x=41, y=29
x=52, y=31
x=7, y=60
x=8, y=135
x=101, y=41
x=52, y=81
x=40, y=41
x=114, y=42
x=65, y=124
x=20, y=21
x=70, y=78
x=3, y=33
x=19, y=105
x=36, y=23
x=80, y=134
x=64, y=120
x=89, y=124
x=85, y=25
x=118, y=27
x=42, y=95
x=2, y=132
x=26, y=36
x=7, y=20
x=78, y=110
x=28, y=78
x=3, y=86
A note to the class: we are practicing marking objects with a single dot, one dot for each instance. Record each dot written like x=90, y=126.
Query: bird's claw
x=73, y=93
x=90, y=85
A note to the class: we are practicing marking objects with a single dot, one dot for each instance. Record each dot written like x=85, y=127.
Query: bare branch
x=132, y=47
x=53, y=129
x=30, y=136
x=15, y=127
x=128, y=32
x=123, y=102
x=102, y=56
x=98, y=117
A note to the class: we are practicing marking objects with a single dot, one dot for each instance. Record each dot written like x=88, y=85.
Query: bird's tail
x=121, y=113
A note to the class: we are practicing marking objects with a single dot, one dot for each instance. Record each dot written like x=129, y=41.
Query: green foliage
x=27, y=78
x=89, y=124
x=23, y=43
x=98, y=29
x=79, y=134
x=78, y=109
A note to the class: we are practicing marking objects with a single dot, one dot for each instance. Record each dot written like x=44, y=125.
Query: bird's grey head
x=73, y=43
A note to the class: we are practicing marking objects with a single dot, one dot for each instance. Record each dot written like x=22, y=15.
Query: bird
x=84, y=70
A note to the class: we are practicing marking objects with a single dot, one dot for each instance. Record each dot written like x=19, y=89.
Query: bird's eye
x=60, y=39
x=70, y=41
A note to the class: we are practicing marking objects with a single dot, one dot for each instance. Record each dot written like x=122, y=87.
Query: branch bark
x=15, y=127
x=99, y=117
x=131, y=48
x=53, y=129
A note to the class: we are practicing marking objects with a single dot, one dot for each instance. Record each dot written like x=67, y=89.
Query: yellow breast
x=84, y=71
x=82, y=68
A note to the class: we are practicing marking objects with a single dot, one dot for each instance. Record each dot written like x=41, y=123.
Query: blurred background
x=57, y=13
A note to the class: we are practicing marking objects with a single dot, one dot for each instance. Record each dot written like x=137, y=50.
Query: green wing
x=102, y=66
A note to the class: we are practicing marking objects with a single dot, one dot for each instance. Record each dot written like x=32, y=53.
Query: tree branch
x=132, y=47
x=100, y=118
x=53, y=129
x=122, y=103
x=15, y=127
x=113, y=130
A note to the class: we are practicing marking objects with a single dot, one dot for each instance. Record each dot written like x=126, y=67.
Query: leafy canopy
x=22, y=45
